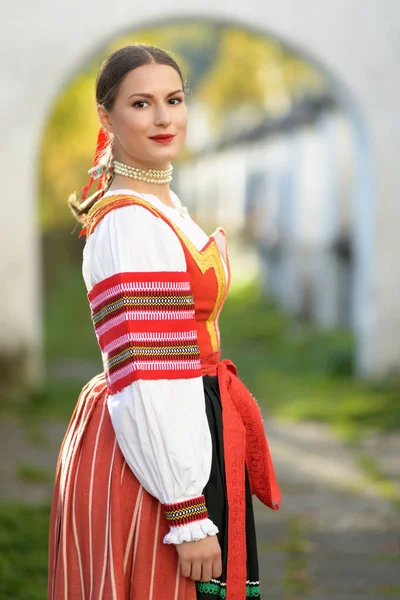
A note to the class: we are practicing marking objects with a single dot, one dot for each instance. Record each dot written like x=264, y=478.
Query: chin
x=165, y=154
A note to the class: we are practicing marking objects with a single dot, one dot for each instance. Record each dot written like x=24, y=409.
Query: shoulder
x=117, y=209
x=126, y=235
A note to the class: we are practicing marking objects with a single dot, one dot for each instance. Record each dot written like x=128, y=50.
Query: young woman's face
x=150, y=102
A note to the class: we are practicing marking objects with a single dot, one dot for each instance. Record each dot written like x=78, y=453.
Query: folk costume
x=167, y=444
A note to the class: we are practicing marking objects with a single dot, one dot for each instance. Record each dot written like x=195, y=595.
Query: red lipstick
x=162, y=139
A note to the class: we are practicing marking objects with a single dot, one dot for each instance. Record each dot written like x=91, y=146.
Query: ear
x=105, y=118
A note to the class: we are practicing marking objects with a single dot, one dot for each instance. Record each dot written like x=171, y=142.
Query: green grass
x=23, y=552
x=390, y=591
x=387, y=489
x=296, y=548
x=56, y=399
x=33, y=474
x=68, y=325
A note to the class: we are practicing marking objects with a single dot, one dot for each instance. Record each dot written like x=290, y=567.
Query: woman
x=163, y=442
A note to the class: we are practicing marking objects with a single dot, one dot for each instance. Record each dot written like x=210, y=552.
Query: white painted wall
x=43, y=43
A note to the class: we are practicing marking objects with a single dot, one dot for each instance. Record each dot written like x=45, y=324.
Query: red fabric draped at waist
x=244, y=442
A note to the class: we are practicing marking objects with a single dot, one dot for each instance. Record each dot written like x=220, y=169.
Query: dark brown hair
x=109, y=78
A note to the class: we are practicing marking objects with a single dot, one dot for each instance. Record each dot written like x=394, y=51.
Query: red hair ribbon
x=102, y=143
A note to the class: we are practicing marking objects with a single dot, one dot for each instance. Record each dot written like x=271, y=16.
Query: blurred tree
x=68, y=142
x=255, y=73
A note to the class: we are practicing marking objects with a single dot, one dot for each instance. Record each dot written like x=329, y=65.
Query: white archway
x=41, y=43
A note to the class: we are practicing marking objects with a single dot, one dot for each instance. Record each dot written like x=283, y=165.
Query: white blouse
x=161, y=425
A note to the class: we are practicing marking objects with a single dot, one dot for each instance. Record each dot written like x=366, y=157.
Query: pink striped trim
x=159, y=286
x=143, y=337
x=133, y=366
x=131, y=315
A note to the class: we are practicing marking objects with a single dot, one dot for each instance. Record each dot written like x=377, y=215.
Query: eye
x=139, y=104
x=175, y=100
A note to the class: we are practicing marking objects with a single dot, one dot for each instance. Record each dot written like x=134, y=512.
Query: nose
x=162, y=117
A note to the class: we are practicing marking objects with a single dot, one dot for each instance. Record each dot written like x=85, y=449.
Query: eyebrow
x=143, y=95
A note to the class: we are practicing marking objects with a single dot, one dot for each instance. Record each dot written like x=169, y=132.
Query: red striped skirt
x=106, y=531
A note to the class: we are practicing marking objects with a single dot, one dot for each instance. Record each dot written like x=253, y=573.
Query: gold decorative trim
x=103, y=206
x=209, y=258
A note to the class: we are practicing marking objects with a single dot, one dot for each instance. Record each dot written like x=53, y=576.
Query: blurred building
x=287, y=186
x=355, y=44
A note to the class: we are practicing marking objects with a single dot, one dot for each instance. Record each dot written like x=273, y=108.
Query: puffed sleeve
x=143, y=313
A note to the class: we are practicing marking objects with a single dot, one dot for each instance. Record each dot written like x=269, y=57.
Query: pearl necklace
x=150, y=176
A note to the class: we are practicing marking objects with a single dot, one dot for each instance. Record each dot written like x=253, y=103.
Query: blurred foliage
x=33, y=474
x=228, y=69
x=68, y=141
x=387, y=488
x=255, y=72
x=193, y=45
x=23, y=551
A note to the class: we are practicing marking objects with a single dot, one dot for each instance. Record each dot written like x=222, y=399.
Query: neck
x=134, y=162
x=121, y=180
x=162, y=191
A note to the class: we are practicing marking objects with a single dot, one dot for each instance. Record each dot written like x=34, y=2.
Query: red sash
x=244, y=442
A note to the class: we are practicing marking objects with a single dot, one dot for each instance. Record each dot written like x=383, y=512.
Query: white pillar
x=20, y=274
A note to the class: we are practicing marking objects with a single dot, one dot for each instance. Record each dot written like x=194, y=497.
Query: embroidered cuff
x=186, y=512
